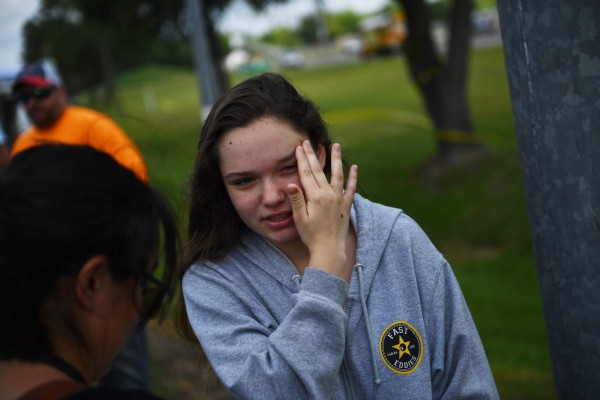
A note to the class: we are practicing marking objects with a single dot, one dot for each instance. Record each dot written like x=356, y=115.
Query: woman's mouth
x=280, y=220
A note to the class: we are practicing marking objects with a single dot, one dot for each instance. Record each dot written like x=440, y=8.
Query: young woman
x=80, y=239
x=297, y=288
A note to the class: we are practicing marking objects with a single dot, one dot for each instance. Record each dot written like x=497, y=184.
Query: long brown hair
x=214, y=225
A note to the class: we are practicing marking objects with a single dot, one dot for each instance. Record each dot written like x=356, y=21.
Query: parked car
x=291, y=58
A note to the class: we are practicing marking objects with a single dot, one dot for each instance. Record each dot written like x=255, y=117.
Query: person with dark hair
x=39, y=88
x=297, y=288
x=87, y=253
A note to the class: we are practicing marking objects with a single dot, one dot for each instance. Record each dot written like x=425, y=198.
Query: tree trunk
x=443, y=85
x=218, y=56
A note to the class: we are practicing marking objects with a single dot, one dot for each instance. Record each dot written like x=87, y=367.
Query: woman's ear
x=91, y=280
x=321, y=155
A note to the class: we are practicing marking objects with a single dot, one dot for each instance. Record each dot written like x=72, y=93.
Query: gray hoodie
x=400, y=330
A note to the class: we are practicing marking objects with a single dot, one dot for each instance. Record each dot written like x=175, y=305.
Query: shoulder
x=389, y=219
x=210, y=273
x=383, y=221
x=203, y=277
x=364, y=205
x=250, y=263
x=21, y=141
x=389, y=236
x=209, y=289
x=24, y=141
x=80, y=111
x=249, y=251
x=408, y=234
x=102, y=394
x=92, y=117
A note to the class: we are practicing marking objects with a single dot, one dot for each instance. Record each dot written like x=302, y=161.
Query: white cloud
x=12, y=18
x=241, y=19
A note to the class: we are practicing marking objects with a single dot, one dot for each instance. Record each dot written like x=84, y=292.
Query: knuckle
x=306, y=172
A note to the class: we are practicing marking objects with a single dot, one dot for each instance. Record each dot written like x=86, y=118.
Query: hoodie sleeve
x=459, y=366
x=297, y=359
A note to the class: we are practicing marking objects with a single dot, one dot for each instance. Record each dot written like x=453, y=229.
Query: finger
x=305, y=172
x=337, y=168
x=297, y=199
x=315, y=165
x=351, y=186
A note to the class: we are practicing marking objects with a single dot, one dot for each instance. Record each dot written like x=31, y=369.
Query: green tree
x=343, y=23
x=92, y=40
x=308, y=29
x=338, y=24
x=283, y=37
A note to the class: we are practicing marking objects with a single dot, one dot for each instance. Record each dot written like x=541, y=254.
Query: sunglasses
x=36, y=93
x=154, y=294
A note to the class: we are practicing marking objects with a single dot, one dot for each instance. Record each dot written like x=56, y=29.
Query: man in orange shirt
x=39, y=87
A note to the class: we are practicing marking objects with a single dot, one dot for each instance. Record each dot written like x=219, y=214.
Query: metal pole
x=552, y=53
x=207, y=83
x=321, y=20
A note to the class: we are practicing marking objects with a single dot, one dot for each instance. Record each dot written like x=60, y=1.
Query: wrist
x=333, y=262
x=318, y=282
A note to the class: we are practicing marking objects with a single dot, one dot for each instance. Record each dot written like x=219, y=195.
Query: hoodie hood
x=375, y=223
x=267, y=336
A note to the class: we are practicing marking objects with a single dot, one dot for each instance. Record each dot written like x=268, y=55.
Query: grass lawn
x=476, y=217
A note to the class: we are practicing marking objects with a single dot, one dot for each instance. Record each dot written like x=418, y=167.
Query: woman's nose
x=274, y=192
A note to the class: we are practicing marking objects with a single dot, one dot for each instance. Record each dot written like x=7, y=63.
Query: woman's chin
x=283, y=237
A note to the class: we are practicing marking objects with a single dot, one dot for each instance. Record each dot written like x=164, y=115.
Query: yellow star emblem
x=402, y=347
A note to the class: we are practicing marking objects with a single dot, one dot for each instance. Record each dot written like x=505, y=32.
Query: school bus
x=383, y=34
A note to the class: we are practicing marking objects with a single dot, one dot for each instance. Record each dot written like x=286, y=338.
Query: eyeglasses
x=154, y=294
x=36, y=93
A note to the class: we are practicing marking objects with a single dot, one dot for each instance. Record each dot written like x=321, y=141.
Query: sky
x=238, y=19
x=13, y=15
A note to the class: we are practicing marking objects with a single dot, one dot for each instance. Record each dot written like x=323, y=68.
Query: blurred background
x=415, y=91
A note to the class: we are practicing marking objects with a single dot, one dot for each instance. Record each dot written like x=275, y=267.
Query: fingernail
x=336, y=146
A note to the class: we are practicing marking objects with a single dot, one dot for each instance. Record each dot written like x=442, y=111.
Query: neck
x=65, y=367
x=297, y=252
x=18, y=377
x=75, y=358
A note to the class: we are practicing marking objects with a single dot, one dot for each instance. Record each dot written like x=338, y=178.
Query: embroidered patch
x=401, y=347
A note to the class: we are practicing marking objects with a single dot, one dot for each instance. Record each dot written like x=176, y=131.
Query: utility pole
x=552, y=53
x=208, y=89
x=321, y=20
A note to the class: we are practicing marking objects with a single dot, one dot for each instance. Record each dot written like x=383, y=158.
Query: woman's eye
x=291, y=167
x=242, y=181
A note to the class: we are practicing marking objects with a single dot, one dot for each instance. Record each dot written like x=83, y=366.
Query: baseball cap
x=41, y=73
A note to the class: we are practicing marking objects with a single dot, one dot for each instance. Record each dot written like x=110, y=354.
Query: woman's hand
x=322, y=210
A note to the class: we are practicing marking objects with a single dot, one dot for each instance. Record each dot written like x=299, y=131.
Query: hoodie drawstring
x=363, y=303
